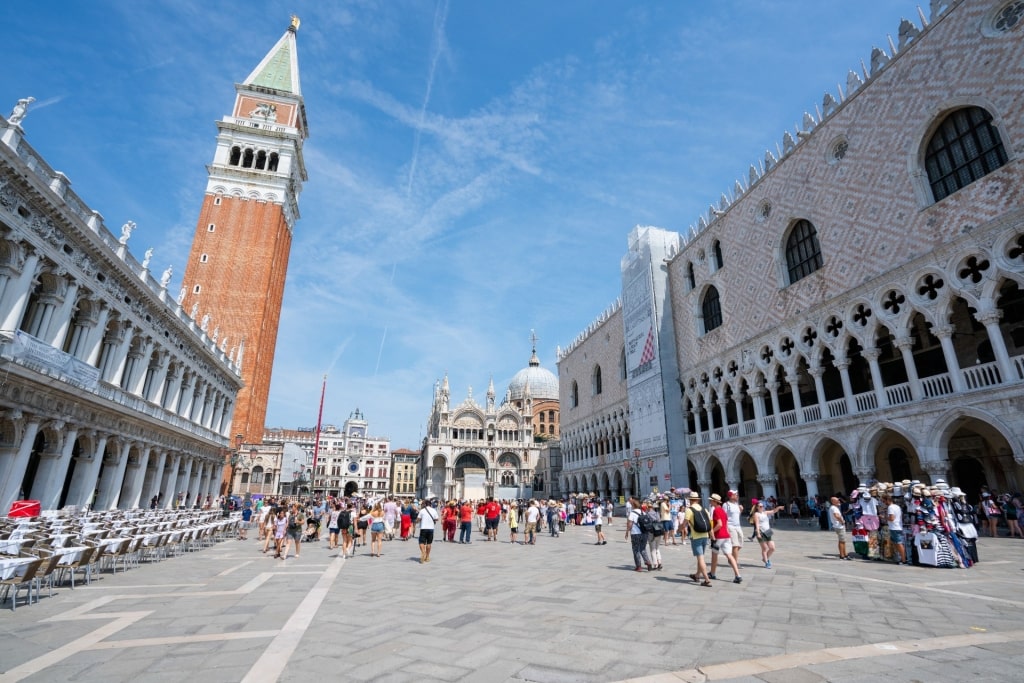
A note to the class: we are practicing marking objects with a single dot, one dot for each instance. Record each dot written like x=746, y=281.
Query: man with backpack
x=699, y=523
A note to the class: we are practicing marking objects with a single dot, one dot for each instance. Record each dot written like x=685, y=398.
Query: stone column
x=945, y=335
x=170, y=487
x=871, y=355
x=697, y=429
x=811, y=479
x=705, y=491
x=17, y=292
x=773, y=392
x=758, y=395
x=153, y=482
x=844, y=375
x=183, y=479
x=798, y=407
x=173, y=390
x=723, y=403
x=94, y=344
x=936, y=469
x=113, y=481
x=53, y=468
x=59, y=323
x=906, y=346
x=188, y=382
x=865, y=475
x=87, y=472
x=767, y=481
x=990, y=319
x=156, y=386
x=131, y=492
x=819, y=390
x=13, y=465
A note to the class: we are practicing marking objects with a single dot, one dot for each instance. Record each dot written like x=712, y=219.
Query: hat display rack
x=940, y=526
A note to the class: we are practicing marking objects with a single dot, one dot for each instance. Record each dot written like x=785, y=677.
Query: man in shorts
x=427, y=520
x=838, y=524
x=598, y=519
x=698, y=539
x=733, y=511
x=721, y=540
x=492, y=515
x=894, y=515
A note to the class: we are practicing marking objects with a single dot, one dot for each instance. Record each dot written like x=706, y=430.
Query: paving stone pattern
x=563, y=610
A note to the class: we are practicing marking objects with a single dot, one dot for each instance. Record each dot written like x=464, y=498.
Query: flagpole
x=316, y=442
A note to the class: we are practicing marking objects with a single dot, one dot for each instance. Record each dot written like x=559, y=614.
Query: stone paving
x=563, y=610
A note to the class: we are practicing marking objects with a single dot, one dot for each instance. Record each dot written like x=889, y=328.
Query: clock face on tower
x=353, y=466
x=357, y=431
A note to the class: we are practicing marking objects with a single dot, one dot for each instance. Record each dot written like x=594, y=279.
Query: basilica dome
x=543, y=383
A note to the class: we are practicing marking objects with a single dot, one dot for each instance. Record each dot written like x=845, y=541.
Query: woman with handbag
x=763, y=531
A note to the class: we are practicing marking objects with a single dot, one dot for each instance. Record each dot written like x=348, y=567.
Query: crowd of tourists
x=905, y=523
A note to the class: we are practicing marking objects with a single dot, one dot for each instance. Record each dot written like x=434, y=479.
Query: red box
x=25, y=508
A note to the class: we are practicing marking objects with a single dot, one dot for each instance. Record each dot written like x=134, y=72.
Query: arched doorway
x=471, y=476
x=351, y=488
x=748, y=484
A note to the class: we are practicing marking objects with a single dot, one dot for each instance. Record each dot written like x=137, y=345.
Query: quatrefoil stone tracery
x=893, y=301
x=974, y=270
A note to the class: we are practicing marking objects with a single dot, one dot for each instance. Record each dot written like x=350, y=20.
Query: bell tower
x=234, y=279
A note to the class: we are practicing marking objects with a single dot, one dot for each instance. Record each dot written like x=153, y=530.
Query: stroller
x=312, y=530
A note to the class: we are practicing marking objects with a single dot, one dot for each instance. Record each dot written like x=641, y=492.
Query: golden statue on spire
x=295, y=24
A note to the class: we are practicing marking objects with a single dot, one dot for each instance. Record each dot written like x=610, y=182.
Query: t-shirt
x=492, y=511
x=895, y=516
x=634, y=517
x=694, y=534
x=868, y=506
x=466, y=513
x=835, y=517
x=719, y=516
x=427, y=518
x=532, y=515
x=732, y=511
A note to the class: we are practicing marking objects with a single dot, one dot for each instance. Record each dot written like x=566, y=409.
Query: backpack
x=644, y=521
x=701, y=523
x=344, y=520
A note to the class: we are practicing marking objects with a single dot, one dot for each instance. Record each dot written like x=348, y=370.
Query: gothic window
x=574, y=398
x=203, y=258
x=803, y=253
x=622, y=364
x=711, y=310
x=716, y=251
x=965, y=147
x=211, y=228
x=597, y=380
x=508, y=478
x=257, y=475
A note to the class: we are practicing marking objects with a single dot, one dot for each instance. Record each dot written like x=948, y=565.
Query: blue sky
x=474, y=167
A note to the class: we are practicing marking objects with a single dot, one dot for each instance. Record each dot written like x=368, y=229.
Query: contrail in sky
x=337, y=354
x=440, y=17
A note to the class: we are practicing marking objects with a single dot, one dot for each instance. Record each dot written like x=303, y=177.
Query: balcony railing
x=976, y=378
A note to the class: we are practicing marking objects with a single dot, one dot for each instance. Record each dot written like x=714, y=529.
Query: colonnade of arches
x=601, y=439
x=50, y=308
x=61, y=463
x=967, y=448
x=944, y=331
